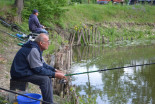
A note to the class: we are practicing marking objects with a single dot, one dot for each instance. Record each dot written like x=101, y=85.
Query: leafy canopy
x=50, y=11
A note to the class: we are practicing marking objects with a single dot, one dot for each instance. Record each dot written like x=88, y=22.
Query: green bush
x=84, y=1
x=49, y=10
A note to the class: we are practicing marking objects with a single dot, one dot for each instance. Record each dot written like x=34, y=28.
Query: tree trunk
x=19, y=4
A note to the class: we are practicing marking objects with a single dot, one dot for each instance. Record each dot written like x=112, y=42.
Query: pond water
x=133, y=85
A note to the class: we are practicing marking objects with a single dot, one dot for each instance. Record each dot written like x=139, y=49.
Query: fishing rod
x=24, y=95
x=48, y=28
x=13, y=36
x=4, y=23
x=12, y=26
x=108, y=69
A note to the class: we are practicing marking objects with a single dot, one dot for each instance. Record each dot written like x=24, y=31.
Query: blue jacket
x=34, y=24
x=29, y=61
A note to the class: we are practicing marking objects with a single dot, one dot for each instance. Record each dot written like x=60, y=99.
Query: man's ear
x=40, y=43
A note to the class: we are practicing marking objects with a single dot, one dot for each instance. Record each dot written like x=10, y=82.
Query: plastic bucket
x=26, y=100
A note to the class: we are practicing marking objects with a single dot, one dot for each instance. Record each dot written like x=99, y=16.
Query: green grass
x=6, y=2
x=5, y=39
x=94, y=13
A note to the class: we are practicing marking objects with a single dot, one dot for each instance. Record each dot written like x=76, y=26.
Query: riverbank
x=113, y=21
x=94, y=14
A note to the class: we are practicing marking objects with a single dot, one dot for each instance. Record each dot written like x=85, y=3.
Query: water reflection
x=134, y=85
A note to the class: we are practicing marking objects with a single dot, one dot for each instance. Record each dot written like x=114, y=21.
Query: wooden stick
x=89, y=36
x=95, y=35
x=103, y=39
x=79, y=38
x=83, y=37
x=73, y=38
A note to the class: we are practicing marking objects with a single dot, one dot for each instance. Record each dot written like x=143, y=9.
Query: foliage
x=79, y=1
x=55, y=43
x=6, y=2
x=49, y=10
x=6, y=9
x=87, y=99
x=84, y=1
x=2, y=100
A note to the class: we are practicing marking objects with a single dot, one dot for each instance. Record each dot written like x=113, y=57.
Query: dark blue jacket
x=29, y=61
x=34, y=24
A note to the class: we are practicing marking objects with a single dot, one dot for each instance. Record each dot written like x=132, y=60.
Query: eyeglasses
x=47, y=41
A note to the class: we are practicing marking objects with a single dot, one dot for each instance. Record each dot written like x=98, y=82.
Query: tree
x=19, y=4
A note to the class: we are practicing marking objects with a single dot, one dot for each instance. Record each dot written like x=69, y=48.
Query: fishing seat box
x=18, y=86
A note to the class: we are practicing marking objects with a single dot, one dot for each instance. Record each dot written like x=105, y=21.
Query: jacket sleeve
x=48, y=67
x=37, y=65
x=37, y=22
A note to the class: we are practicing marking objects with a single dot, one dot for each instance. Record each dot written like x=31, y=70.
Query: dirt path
x=6, y=56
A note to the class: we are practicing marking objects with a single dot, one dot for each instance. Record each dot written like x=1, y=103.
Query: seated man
x=34, y=24
x=29, y=66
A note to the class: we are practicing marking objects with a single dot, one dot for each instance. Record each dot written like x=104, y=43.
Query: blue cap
x=35, y=11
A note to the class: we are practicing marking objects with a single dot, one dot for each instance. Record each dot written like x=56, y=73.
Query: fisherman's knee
x=45, y=80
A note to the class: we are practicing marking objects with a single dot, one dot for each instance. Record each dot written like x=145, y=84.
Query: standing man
x=29, y=66
x=34, y=24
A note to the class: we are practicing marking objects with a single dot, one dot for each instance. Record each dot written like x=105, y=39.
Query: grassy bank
x=113, y=21
x=94, y=13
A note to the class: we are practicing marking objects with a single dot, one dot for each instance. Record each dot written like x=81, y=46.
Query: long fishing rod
x=13, y=36
x=24, y=95
x=5, y=23
x=108, y=69
x=12, y=26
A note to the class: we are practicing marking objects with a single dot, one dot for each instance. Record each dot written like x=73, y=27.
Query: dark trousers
x=45, y=84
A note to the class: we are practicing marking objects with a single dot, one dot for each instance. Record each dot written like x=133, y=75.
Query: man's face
x=45, y=43
x=36, y=14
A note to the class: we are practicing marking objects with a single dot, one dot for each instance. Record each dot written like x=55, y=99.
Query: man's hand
x=43, y=27
x=59, y=71
x=60, y=75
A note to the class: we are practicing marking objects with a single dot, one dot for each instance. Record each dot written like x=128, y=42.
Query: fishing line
x=108, y=69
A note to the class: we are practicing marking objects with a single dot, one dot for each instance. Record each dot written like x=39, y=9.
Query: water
x=133, y=85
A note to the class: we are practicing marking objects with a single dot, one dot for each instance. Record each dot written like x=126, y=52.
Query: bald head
x=41, y=37
x=43, y=41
